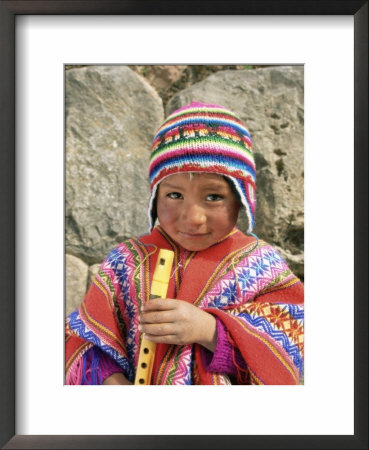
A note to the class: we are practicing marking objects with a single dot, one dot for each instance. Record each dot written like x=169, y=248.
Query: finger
x=165, y=339
x=156, y=317
x=155, y=329
x=159, y=304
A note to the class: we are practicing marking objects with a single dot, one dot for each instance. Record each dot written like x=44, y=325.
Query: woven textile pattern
x=205, y=138
x=250, y=288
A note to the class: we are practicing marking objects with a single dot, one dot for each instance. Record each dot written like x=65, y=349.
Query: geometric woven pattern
x=277, y=321
x=250, y=289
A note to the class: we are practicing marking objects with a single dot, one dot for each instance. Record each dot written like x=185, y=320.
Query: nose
x=193, y=214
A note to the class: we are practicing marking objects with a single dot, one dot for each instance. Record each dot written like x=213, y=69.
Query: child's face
x=196, y=211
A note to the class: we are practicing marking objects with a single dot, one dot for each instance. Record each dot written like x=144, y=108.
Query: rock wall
x=112, y=113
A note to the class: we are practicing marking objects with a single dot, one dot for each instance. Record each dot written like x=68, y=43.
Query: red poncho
x=242, y=281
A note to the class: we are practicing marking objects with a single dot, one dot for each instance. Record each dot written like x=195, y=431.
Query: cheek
x=235, y=211
x=231, y=213
x=165, y=212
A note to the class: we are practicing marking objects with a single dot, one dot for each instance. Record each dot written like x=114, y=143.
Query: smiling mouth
x=193, y=235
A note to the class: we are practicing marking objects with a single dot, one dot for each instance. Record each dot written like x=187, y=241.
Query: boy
x=234, y=310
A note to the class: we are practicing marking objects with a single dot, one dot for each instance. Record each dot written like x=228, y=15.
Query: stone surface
x=111, y=116
x=167, y=80
x=76, y=272
x=92, y=271
x=270, y=101
x=161, y=77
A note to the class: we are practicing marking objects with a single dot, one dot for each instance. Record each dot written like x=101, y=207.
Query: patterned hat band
x=205, y=139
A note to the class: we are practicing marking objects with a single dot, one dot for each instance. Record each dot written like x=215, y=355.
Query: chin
x=195, y=246
x=192, y=248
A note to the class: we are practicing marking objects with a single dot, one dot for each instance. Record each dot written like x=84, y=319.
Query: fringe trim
x=75, y=373
x=80, y=375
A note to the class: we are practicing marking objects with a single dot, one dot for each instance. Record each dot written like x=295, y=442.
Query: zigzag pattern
x=134, y=298
x=262, y=324
x=180, y=370
x=124, y=266
x=235, y=291
x=79, y=328
x=296, y=311
x=114, y=268
x=104, y=285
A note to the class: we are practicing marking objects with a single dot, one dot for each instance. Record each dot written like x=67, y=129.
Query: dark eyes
x=214, y=197
x=174, y=195
x=209, y=197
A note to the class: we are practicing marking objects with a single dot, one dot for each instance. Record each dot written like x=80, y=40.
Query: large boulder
x=167, y=80
x=92, y=272
x=76, y=272
x=270, y=101
x=111, y=116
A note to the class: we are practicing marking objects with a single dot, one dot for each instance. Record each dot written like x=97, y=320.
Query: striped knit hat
x=204, y=138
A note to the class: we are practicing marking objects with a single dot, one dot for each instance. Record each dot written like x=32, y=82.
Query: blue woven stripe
x=79, y=327
x=295, y=311
x=263, y=324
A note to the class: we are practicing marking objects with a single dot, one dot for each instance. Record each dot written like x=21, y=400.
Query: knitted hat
x=204, y=138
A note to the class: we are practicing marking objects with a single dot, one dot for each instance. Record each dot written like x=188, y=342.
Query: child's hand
x=177, y=322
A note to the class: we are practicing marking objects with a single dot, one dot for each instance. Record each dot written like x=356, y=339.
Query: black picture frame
x=8, y=11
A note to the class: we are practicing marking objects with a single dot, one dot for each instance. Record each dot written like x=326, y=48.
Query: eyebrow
x=169, y=185
x=210, y=186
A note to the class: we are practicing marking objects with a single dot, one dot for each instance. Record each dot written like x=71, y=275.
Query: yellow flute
x=159, y=288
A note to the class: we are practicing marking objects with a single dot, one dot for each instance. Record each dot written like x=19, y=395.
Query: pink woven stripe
x=209, y=151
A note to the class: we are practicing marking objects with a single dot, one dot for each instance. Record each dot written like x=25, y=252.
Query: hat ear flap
x=204, y=138
x=245, y=191
x=251, y=195
x=152, y=208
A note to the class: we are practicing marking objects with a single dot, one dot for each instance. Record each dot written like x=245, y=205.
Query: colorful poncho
x=242, y=281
